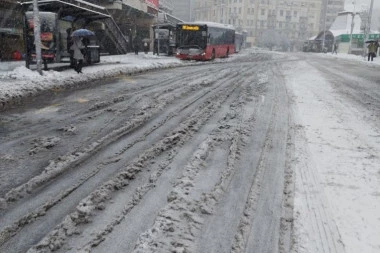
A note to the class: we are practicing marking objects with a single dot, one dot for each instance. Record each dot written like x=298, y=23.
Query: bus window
x=191, y=38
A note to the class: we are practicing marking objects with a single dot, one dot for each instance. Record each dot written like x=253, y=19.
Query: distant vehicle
x=204, y=40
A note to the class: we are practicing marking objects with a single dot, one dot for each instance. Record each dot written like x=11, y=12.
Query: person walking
x=136, y=44
x=146, y=47
x=69, y=43
x=371, y=51
x=78, y=56
x=335, y=48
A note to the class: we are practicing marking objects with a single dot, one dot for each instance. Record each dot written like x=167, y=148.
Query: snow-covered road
x=261, y=152
x=337, y=113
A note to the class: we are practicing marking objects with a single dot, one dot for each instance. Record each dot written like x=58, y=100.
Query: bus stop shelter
x=73, y=11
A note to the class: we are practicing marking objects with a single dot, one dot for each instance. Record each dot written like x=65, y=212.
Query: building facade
x=183, y=9
x=290, y=20
x=166, y=6
x=329, y=12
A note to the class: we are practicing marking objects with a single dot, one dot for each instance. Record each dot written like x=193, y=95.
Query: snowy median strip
x=21, y=83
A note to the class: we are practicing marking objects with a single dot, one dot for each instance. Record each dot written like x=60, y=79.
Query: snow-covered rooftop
x=342, y=24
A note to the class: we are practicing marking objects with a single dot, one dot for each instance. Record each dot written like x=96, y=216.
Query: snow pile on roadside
x=351, y=57
x=21, y=82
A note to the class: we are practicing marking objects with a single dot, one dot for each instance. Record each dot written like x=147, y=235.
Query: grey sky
x=364, y=2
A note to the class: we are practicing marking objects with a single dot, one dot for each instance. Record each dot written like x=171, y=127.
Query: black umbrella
x=370, y=41
x=82, y=33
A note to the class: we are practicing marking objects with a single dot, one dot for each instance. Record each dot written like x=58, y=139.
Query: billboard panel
x=153, y=3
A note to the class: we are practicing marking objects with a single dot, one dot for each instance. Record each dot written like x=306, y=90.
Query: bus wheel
x=213, y=54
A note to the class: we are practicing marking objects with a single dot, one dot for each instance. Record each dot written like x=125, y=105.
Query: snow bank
x=18, y=82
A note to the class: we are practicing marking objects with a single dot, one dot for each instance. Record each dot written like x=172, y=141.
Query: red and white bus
x=204, y=40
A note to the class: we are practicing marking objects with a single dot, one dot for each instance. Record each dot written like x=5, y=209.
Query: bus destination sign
x=190, y=27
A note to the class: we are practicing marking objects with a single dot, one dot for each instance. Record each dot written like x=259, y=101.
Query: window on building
x=262, y=11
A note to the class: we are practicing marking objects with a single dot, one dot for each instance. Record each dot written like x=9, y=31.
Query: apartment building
x=183, y=9
x=293, y=20
x=166, y=6
x=331, y=8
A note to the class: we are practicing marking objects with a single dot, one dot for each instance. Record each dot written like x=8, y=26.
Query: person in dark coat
x=155, y=46
x=335, y=48
x=136, y=44
x=69, y=43
x=146, y=47
x=371, y=51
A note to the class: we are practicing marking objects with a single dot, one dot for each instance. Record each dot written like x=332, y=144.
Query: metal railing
x=118, y=37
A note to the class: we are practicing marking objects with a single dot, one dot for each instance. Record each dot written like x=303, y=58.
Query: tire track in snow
x=87, y=206
x=32, y=216
x=140, y=119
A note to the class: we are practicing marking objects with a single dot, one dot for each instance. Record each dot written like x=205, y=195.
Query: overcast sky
x=359, y=3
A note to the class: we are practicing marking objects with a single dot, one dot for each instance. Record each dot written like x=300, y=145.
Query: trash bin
x=93, y=54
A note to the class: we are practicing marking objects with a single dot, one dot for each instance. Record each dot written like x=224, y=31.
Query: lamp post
x=324, y=25
x=352, y=13
x=352, y=29
x=37, y=36
x=368, y=29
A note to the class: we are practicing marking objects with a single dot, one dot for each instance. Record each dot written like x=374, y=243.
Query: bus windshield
x=192, y=38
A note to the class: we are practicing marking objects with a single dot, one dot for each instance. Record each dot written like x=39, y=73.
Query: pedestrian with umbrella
x=78, y=55
x=79, y=48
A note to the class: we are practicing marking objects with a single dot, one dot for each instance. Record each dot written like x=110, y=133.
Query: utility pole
x=369, y=20
x=324, y=25
x=37, y=35
x=352, y=27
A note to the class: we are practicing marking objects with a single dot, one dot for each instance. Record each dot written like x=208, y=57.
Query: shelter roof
x=164, y=26
x=71, y=8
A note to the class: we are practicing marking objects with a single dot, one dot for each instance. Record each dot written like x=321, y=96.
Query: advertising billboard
x=153, y=3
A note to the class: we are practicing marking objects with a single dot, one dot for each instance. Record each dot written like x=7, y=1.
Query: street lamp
x=37, y=36
x=324, y=25
x=368, y=29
